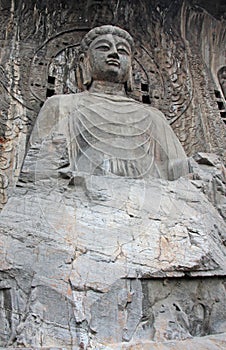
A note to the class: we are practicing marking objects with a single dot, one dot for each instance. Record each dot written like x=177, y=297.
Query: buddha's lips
x=113, y=62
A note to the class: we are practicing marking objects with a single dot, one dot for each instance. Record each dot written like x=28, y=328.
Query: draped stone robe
x=108, y=134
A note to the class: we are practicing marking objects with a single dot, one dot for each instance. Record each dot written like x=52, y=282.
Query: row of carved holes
x=145, y=95
x=51, y=91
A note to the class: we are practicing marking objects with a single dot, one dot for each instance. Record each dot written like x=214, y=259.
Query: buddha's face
x=110, y=58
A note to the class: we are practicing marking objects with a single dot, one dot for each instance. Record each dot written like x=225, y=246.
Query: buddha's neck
x=106, y=87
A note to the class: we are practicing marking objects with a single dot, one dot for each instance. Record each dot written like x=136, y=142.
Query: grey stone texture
x=99, y=249
x=105, y=260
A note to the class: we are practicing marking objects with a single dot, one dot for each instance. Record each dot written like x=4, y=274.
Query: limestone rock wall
x=106, y=260
x=180, y=49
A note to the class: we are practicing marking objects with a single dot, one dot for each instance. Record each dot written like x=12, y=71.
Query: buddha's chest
x=108, y=124
x=109, y=138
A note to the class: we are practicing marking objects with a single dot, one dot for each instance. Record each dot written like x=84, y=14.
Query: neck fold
x=106, y=87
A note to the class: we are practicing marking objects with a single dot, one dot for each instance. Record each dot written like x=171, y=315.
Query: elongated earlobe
x=79, y=79
x=84, y=72
x=129, y=83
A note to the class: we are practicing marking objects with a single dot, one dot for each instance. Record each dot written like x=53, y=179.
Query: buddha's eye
x=123, y=50
x=102, y=47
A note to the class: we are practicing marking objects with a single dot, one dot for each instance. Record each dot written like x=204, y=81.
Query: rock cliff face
x=98, y=261
x=102, y=262
x=91, y=263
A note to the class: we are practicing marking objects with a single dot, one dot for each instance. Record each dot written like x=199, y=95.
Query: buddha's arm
x=47, y=120
x=177, y=160
x=169, y=146
x=48, y=143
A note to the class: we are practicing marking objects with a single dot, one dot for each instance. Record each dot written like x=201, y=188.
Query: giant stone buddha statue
x=107, y=132
x=83, y=266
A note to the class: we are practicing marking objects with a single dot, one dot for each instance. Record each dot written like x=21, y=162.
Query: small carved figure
x=106, y=131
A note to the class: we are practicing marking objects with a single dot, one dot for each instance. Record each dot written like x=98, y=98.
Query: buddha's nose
x=113, y=55
x=113, y=52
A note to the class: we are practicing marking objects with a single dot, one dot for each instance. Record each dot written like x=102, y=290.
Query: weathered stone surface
x=206, y=343
x=171, y=223
x=77, y=260
x=209, y=176
x=91, y=262
x=212, y=342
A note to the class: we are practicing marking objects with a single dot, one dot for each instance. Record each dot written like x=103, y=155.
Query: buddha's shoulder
x=152, y=111
x=64, y=101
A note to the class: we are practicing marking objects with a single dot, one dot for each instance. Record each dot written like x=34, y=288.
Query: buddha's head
x=106, y=54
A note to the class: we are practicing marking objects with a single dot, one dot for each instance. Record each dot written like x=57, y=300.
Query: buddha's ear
x=84, y=77
x=129, y=83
